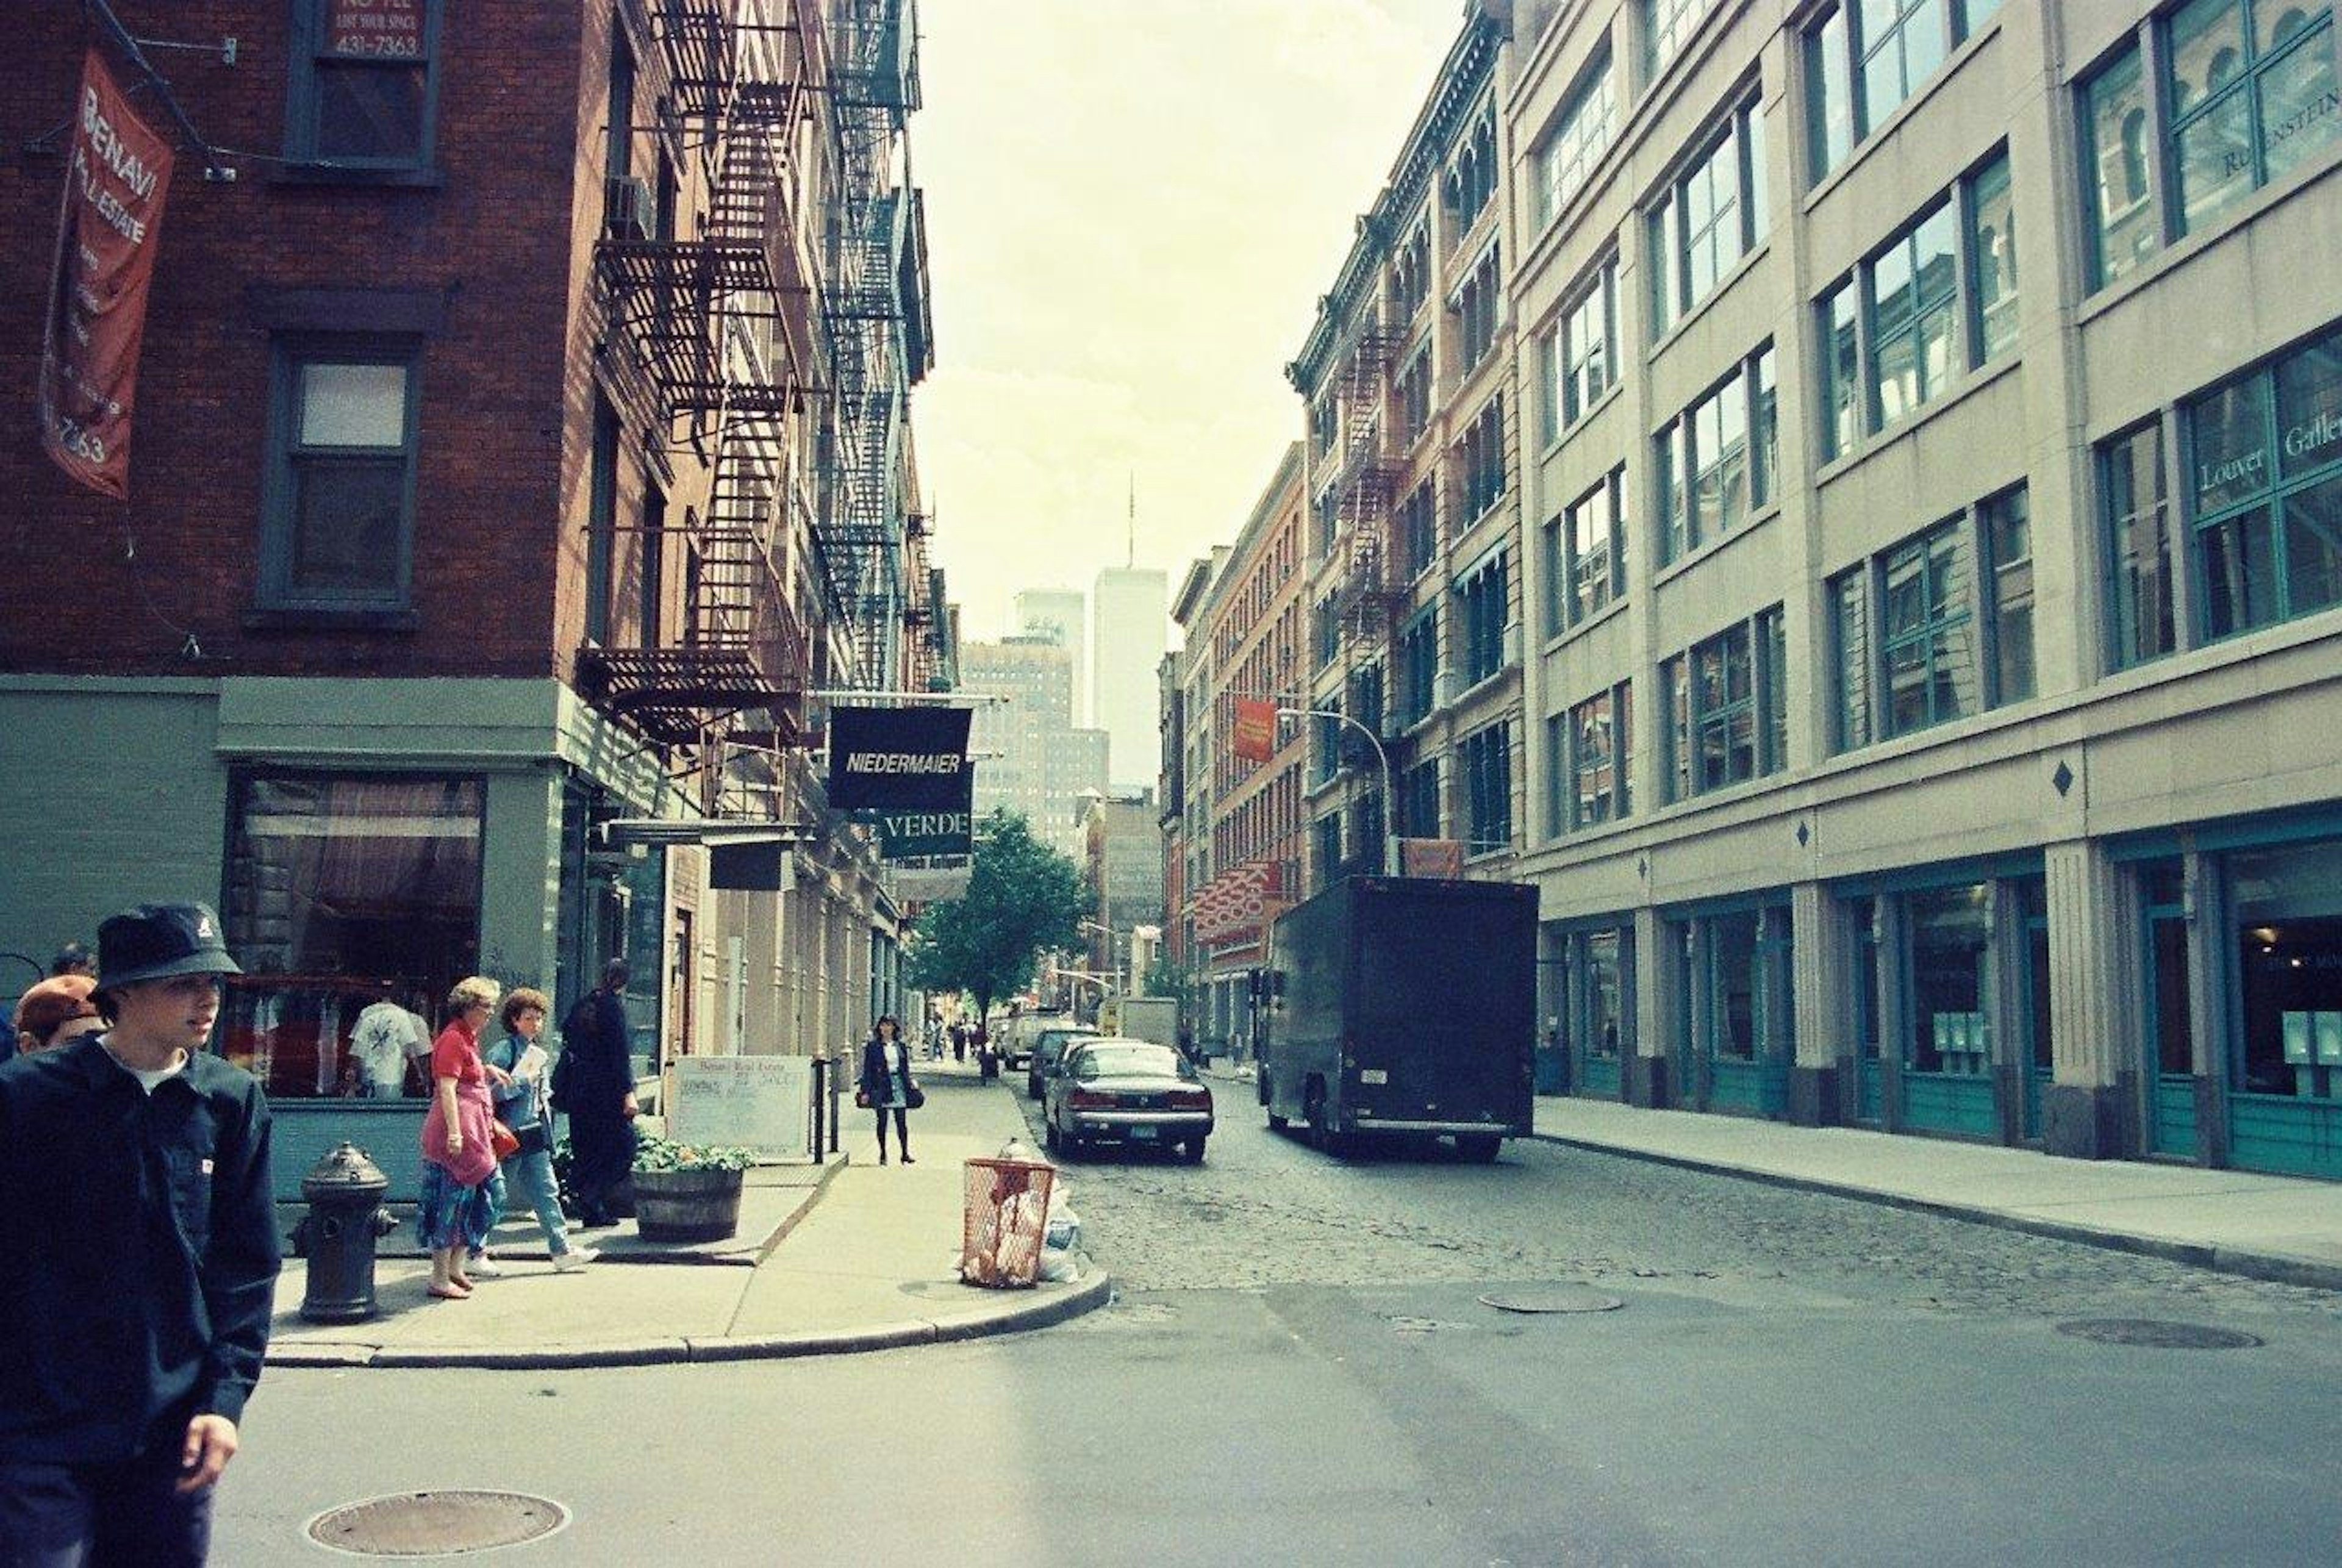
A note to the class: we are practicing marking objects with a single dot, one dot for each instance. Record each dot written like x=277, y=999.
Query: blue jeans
x=531, y=1172
x=125, y=1513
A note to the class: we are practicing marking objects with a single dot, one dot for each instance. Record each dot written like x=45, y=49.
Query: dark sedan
x=1126, y=1091
x=1048, y=1050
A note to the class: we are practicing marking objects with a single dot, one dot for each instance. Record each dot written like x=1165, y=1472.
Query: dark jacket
x=604, y=1068
x=873, y=1082
x=141, y=1251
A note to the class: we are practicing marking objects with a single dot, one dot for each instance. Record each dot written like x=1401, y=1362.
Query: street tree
x=1023, y=898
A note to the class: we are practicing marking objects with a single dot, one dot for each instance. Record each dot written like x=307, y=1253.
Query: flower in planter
x=655, y=1154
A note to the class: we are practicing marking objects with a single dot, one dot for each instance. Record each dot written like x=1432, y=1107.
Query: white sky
x=1133, y=207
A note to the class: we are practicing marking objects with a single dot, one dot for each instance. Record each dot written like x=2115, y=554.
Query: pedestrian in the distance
x=140, y=1236
x=73, y=958
x=887, y=1086
x=457, y=1208
x=521, y=1105
x=598, y=1095
x=382, y=1041
x=57, y=1012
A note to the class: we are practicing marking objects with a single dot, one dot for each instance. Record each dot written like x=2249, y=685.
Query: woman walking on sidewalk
x=459, y=1160
x=887, y=1085
x=521, y=1104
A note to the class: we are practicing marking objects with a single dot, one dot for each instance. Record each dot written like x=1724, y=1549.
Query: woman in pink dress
x=459, y=1207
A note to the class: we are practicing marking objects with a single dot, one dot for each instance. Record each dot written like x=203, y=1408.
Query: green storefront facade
x=363, y=840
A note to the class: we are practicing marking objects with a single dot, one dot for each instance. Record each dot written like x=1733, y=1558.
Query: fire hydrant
x=337, y=1235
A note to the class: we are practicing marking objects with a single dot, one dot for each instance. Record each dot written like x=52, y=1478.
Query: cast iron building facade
x=1933, y=483
x=522, y=436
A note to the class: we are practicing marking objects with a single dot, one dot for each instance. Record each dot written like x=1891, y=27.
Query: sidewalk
x=2268, y=1227
x=846, y=1256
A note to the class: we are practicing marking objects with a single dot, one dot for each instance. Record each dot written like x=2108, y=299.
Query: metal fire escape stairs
x=1368, y=586
x=702, y=331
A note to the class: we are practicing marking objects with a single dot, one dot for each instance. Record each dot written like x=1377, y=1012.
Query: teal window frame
x=1594, y=550
x=1419, y=528
x=1553, y=569
x=2124, y=226
x=1478, y=309
x=1419, y=790
x=1715, y=201
x=306, y=96
x=1329, y=849
x=1854, y=711
x=1837, y=316
x=1486, y=756
x=1545, y=357
x=1666, y=26
x=1484, y=609
x=1557, y=774
x=1847, y=49
x=2245, y=90
x=1418, y=659
x=2144, y=620
x=1718, y=446
x=289, y=459
x=1728, y=693
x=1598, y=750
x=1932, y=621
x=1589, y=348
x=1924, y=312
x=1481, y=479
x=2265, y=514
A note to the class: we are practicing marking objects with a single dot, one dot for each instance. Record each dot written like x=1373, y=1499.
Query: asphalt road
x=1301, y=1371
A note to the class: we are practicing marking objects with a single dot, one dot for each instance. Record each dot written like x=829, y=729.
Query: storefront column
x=1657, y=1006
x=2090, y=1111
x=2006, y=1008
x=520, y=879
x=1821, y=1072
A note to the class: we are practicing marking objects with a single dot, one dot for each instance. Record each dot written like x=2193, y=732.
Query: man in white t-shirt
x=384, y=1038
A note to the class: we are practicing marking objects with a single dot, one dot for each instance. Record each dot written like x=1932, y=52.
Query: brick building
x=522, y=436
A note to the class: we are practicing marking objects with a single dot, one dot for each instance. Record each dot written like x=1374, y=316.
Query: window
x=1486, y=757
x=1728, y=706
x=1329, y=850
x=1419, y=529
x=364, y=82
x=1596, y=763
x=1849, y=602
x=340, y=515
x=1480, y=462
x=1552, y=567
x=1325, y=753
x=1594, y=545
x=1937, y=299
x=1667, y=26
x=1549, y=382
x=2266, y=484
x=1478, y=308
x=601, y=519
x=1926, y=635
x=1411, y=277
x=1418, y=666
x=341, y=889
x=1710, y=481
x=1711, y=216
x=1568, y=156
x=2249, y=96
x=1864, y=59
x=1485, y=612
x=1418, y=799
x=1472, y=176
x=1412, y=396
x=2123, y=229
x=2139, y=526
x=1589, y=337
x=2006, y=528
x=1328, y=630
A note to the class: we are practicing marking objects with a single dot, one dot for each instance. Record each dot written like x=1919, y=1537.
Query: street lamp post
x=1390, y=794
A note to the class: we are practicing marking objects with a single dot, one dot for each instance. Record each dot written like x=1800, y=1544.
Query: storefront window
x=2167, y=936
x=1732, y=947
x=1951, y=961
x=343, y=891
x=1601, y=992
x=2287, y=908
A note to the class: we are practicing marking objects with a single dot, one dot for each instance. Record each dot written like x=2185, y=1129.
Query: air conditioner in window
x=630, y=209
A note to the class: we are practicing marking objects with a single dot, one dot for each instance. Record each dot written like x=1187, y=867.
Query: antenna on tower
x=1133, y=560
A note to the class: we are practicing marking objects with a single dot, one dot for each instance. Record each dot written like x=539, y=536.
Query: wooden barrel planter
x=682, y=1206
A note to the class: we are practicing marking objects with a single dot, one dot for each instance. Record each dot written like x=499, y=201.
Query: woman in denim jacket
x=521, y=1105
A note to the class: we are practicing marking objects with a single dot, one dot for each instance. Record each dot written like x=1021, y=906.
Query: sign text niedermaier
x=898, y=759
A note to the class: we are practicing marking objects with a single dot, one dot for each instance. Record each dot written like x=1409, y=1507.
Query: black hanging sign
x=898, y=759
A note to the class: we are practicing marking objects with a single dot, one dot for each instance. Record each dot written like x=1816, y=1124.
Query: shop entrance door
x=2033, y=1015
x=2169, y=1067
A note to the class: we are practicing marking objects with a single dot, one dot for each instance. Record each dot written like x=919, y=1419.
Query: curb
x=2279, y=1268
x=1089, y=1296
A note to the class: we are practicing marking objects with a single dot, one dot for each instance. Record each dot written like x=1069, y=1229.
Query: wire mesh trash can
x=1005, y=1219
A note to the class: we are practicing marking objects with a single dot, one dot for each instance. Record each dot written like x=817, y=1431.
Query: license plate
x=1142, y=1132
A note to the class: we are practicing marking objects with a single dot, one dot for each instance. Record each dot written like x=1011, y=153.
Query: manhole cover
x=434, y=1524
x=2155, y=1334
x=1553, y=1298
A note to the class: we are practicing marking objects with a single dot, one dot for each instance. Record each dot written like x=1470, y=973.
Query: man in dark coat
x=599, y=1095
x=142, y=1253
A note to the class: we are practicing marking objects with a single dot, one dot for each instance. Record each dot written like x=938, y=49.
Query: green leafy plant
x=656, y=1153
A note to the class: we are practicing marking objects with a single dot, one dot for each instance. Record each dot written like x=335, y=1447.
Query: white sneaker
x=482, y=1263
x=576, y=1258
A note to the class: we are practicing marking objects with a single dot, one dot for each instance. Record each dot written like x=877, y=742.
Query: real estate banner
x=1253, y=735
x=117, y=175
x=898, y=759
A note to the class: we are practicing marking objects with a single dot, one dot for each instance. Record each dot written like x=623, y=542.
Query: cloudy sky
x=1132, y=208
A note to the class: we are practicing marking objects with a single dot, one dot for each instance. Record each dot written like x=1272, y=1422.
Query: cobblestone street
x=1266, y=1210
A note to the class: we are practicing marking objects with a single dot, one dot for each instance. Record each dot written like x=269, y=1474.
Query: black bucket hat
x=159, y=942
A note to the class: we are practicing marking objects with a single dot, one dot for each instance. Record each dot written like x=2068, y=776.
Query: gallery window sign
x=898, y=759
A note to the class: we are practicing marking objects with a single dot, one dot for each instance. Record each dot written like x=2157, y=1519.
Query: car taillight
x=1090, y=1099
x=1191, y=1099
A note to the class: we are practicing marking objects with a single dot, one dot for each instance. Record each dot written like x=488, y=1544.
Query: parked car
x=1014, y=1041
x=1111, y=1090
x=1048, y=1050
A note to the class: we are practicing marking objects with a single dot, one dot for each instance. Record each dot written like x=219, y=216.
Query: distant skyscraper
x=1045, y=770
x=1062, y=614
x=1127, y=646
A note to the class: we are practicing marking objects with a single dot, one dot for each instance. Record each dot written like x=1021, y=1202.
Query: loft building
x=1411, y=467
x=1933, y=472
x=522, y=436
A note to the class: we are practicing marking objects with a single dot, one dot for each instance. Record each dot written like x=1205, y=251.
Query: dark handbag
x=862, y=1099
x=915, y=1097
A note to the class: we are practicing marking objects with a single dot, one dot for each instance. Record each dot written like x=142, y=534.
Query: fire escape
x=711, y=336
x=879, y=335
x=1368, y=584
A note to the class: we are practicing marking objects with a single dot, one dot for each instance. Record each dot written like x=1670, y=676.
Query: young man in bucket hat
x=140, y=1236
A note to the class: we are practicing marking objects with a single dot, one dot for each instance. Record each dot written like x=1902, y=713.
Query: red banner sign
x=116, y=176
x=1253, y=736
x=1234, y=905
x=1435, y=857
